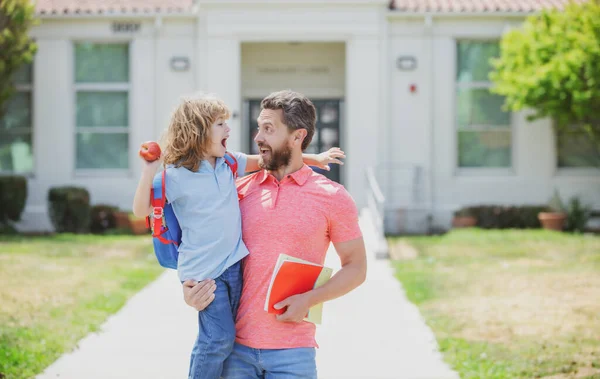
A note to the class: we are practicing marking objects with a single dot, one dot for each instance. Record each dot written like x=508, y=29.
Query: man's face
x=273, y=140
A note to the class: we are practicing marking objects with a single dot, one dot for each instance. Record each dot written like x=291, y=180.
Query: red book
x=293, y=276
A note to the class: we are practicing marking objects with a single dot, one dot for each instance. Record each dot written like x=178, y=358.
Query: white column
x=222, y=63
x=362, y=113
x=53, y=130
x=201, y=53
x=54, y=113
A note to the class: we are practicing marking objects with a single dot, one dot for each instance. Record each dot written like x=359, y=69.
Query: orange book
x=293, y=276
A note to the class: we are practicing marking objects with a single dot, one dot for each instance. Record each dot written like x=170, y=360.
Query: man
x=287, y=209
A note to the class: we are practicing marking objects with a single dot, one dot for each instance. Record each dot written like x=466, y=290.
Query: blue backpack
x=166, y=233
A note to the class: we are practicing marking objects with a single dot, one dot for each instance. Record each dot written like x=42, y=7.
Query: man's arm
x=352, y=274
x=321, y=160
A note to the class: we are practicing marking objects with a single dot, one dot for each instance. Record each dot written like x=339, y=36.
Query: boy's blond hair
x=188, y=137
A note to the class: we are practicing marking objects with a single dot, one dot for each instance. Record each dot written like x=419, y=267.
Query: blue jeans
x=216, y=327
x=248, y=363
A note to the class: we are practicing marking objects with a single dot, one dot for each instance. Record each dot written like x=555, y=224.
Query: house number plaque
x=126, y=27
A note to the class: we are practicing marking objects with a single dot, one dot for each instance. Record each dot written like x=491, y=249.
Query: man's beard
x=279, y=158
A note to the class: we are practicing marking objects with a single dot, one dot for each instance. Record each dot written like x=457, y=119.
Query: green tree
x=16, y=47
x=552, y=66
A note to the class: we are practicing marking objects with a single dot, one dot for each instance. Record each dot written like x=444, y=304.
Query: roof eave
x=393, y=13
x=113, y=15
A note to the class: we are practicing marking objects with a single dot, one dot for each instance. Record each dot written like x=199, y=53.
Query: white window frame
x=478, y=171
x=24, y=130
x=101, y=87
x=570, y=171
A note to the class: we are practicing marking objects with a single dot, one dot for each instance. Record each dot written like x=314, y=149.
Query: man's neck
x=295, y=164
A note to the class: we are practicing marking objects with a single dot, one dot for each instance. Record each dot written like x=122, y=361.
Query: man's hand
x=199, y=295
x=297, y=308
x=332, y=155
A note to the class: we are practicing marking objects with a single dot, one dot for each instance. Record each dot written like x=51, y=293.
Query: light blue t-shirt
x=207, y=208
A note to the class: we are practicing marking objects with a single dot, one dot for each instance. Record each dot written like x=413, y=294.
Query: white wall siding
x=533, y=175
x=229, y=46
x=154, y=90
x=313, y=22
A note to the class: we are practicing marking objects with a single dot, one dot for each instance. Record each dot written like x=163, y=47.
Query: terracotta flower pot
x=464, y=221
x=552, y=220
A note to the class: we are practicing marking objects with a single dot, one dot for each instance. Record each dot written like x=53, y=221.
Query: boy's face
x=219, y=135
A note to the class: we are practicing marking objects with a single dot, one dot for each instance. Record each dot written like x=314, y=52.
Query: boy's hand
x=332, y=155
x=151, y=167
x=199, y=295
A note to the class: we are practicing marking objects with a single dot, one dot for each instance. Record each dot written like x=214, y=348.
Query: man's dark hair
x=298, y=112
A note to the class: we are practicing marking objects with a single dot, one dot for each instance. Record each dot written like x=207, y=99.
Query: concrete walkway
x=372, y=333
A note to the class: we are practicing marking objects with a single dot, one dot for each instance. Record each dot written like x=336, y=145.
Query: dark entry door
x=327, y=134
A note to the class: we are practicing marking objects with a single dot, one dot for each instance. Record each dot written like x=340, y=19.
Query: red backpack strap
x=156, y=221
x=232, y=163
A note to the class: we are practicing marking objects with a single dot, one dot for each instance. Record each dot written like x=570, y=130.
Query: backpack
x=166, y=233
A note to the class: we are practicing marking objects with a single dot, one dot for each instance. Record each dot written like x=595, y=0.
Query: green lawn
x=509, y=304
x=55, y=290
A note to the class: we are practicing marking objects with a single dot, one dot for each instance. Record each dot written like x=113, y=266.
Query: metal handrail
x=376, y=205
x=396, y=199
x=374, y=185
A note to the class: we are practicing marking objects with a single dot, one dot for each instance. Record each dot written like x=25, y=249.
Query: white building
x=401, y=87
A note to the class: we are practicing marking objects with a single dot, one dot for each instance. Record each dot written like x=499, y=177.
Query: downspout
x=432, y=207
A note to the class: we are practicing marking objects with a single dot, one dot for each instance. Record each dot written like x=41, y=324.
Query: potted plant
x=464, y=218
x=554, y=218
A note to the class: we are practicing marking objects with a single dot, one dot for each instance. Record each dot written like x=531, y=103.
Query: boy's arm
x=252, y=163
x=321, y=161
x=141, y=200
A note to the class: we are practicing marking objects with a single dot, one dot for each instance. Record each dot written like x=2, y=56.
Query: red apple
x=150, y=151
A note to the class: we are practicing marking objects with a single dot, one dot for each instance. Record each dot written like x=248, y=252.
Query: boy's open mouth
x=224, y=142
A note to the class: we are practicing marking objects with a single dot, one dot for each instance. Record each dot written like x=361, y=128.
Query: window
x=16, y=148
x=484, y=129
x=102, y=106
x=574, y=149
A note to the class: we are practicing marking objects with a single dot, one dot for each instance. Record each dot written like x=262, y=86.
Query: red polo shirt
x=298, y=216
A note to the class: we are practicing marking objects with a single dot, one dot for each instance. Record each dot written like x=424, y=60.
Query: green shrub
x=505, y=217
x=69, y=209
x=13, y=194
x=102, y=218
